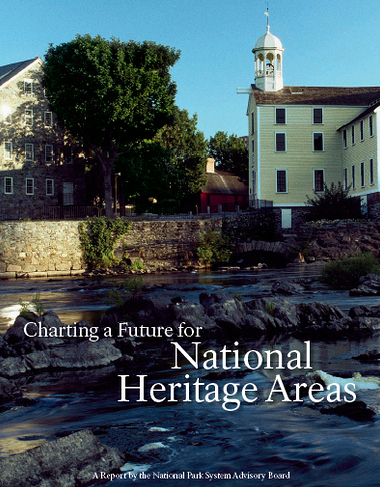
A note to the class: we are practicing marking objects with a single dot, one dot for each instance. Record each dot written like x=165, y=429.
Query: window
x=370, y=126
x=48, y=153
x=280, y=115
x=362, y=174
x=280, y=142
x=252, y=123
x=48, y=119
x=353, y=135
x=319, y=180
x=29, y=117
x=28, y=87
x=317, y=115
x=8, y=185
x=345, y=178
x=253, y=147
x=281, y=181
x=50, y=187
x=353, y=177
x=318, y=141
x=7, y=115
x=361, y=129
x=29, y=185
x=344, y=139
x=371, y=172
x=8, y=149
x=29, y=152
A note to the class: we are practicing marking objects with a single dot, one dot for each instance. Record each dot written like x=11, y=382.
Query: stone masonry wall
x=39, y=249
x=51, y=248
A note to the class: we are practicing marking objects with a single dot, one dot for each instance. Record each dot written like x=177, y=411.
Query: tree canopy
x=230, y=153
x=110, y=93
x=168, y=169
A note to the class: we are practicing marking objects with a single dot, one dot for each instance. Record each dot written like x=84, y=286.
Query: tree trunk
x=107, y=165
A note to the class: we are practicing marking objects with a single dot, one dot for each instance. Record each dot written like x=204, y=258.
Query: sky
x=327, y=43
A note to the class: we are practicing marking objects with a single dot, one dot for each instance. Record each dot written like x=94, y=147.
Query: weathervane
x=267, y=14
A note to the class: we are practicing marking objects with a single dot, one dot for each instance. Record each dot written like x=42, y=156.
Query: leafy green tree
x=110, y=93
x=230, y=153
x=188, y=149
x=333, y=204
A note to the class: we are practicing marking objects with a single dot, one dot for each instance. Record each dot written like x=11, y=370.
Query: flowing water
x=208, y=444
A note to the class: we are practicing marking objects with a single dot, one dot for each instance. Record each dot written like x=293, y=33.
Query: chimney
x=210, y=165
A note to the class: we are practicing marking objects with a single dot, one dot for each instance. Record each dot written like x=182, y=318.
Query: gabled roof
x=366, y=112
x=9, y=71
x=318, y=95
x=222, y=182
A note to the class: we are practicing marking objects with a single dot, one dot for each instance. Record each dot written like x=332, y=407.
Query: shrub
x=214, y=249
x=130, y=287
x=98, y=236
x=333, y=204
x=346, y=272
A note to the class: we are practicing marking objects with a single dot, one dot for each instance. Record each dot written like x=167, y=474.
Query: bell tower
x=268, y=61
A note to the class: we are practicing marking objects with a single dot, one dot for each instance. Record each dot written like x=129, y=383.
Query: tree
x=188, y=149
x=333, y=204
x=230, y=153
x=110, y=93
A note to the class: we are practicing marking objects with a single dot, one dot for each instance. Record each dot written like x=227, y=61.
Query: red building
x=223, y=191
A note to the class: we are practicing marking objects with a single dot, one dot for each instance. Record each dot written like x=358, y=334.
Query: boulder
x=72, y=460
x=369, y=285
x=287, y=288
x=226, y=310
x=71, y=356
x=8, y=390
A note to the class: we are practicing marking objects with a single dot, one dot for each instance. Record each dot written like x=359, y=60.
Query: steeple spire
x=267, y=14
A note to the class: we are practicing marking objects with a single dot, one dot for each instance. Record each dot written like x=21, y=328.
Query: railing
x=73, y=212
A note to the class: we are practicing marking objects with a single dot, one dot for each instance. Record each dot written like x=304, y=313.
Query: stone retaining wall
x=51, y=248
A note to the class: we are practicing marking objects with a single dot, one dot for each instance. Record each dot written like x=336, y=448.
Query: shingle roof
x=10, y=70
x=221, y=182
x=318, y=95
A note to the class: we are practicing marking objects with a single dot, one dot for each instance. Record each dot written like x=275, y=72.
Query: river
x=208, y=444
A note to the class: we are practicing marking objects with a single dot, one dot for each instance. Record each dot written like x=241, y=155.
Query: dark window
x=8, y=185
x=252, y=123
x=353, y=135
x=371, y=173
x=345, y=179
x=280, y=115
x=281, y=186
x=361, y=130
x=318, y=141
x=344, y=138
x=319, y=182
x=362, y=174
x=317, y=115
x=370, y=124
x=280, y=142
x=353, y=177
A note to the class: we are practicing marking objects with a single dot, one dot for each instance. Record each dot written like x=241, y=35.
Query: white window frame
x=30, y=150
x=353, y=176
x=353, y=135
x=28, y=117
x=28, y=87
x=314, y=122
x=323, y=181
x=286, y=181
x=370, y=125
x=361, y=130
x=8, y=151
x=344, y=138
x=49, y=153
x=9, y=180
x=7, y=115
x=275, y=141
x=48, y=119
x=323, y=142
x=345, y=178
x=29, y=186
x=51, y=182
x=371, y=172
x=275, y=116
x=362, y=174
